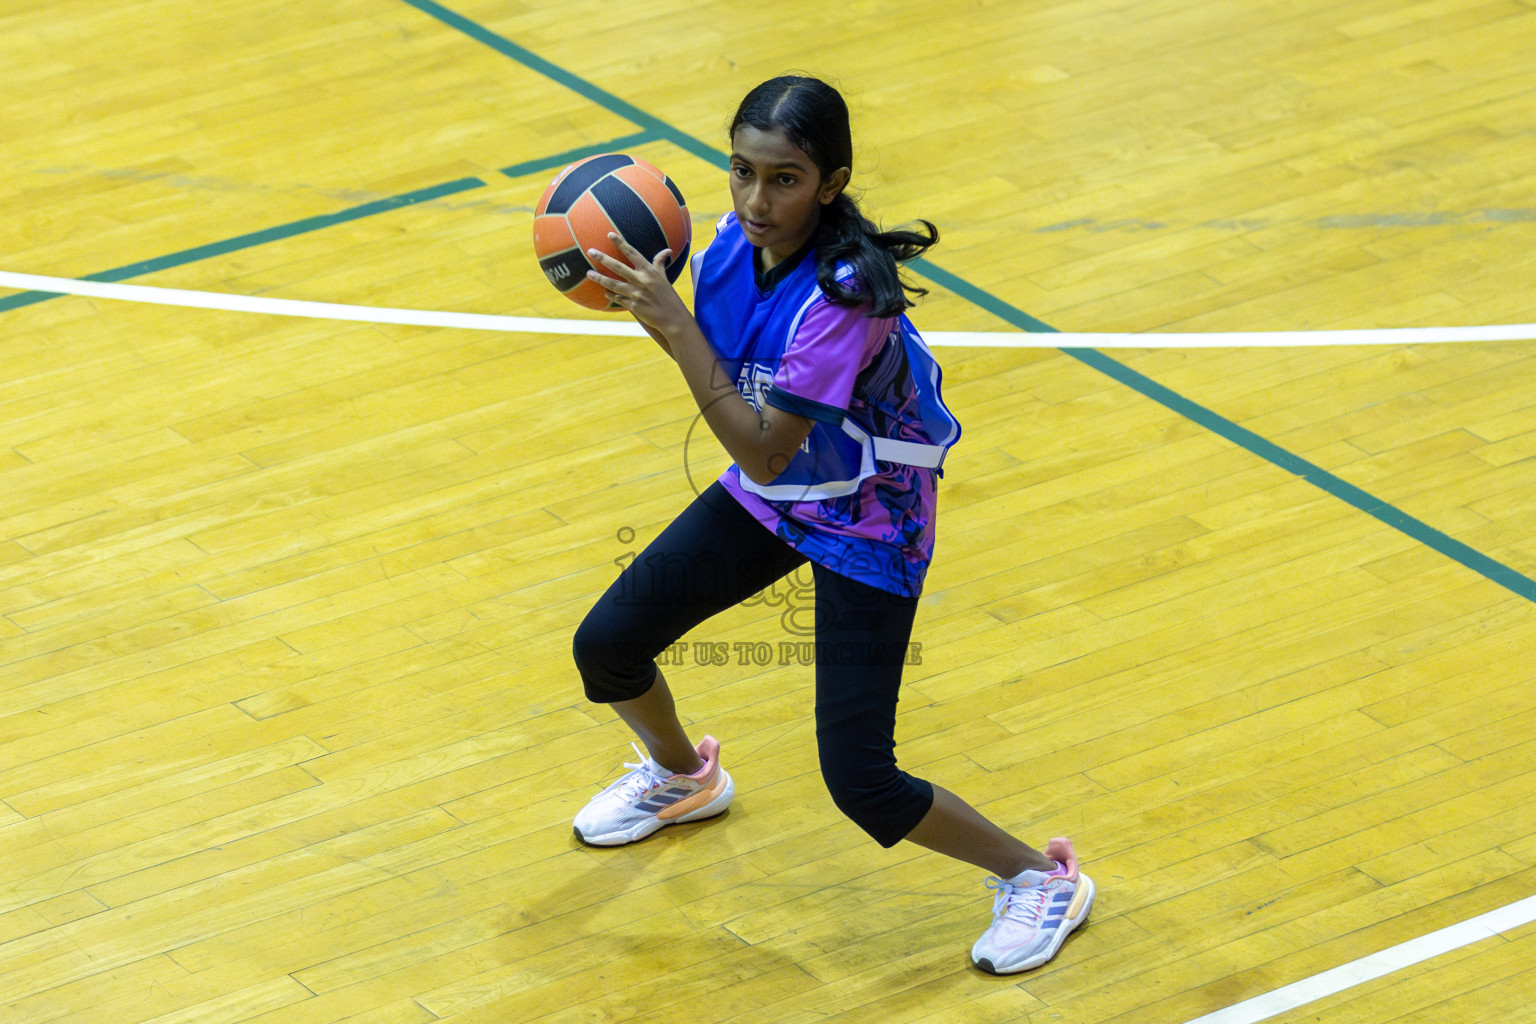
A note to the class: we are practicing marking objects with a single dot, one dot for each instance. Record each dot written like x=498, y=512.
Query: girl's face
x=777, y=191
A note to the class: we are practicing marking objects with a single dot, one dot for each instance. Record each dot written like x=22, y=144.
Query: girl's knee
x=610, y=670
x=881, y=799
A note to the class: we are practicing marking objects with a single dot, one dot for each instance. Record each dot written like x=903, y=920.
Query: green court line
x=607, y=100
x=1387, y=514
x=1390, y=515
x=977, y=297
x=570, y=156
x=298, y=227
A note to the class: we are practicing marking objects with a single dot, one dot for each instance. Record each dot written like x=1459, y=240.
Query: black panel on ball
x=579, y=180
x=565, y=270
x=631, y=216
x=679, y=261
x=676, y=193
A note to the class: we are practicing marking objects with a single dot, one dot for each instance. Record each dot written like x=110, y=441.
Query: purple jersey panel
x=882, y=534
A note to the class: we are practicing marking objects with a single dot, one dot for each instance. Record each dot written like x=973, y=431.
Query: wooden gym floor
x=289, y=728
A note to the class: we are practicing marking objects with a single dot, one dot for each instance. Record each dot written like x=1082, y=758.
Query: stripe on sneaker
x=663, y=799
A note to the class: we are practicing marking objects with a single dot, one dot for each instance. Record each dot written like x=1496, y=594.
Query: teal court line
x=1372, y=506
x=255, y=238
x=570, y=156
x=652, y=129
x=1390, y=515
x=650, y=125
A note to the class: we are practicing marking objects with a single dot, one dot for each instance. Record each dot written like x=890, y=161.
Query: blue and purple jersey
x=859, y=497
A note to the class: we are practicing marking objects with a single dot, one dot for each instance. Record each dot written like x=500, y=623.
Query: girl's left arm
x=761, y=442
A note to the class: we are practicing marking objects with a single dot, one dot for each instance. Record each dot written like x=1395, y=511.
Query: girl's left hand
x=642, y=288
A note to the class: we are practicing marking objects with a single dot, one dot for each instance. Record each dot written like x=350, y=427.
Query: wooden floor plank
x=291, y=734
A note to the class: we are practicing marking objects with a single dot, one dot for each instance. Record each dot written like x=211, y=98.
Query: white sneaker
x=648, y=798
x=1033, y=913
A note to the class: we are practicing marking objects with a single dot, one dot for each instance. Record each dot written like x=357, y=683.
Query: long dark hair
x=814, y=117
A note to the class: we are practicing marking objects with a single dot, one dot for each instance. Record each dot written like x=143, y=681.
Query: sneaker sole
x=1046, y=955
x=652, y=825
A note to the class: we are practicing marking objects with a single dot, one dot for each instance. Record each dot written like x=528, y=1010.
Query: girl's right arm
x=761, y=442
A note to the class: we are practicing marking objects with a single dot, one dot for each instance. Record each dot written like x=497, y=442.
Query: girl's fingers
x=625, y=271
x=606, y=282
x=634, y=275
x=626, y=250
x=609, y=262
x=636, y=257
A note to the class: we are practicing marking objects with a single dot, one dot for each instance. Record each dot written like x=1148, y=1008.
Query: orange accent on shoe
x=713, y=788
x=710, y=777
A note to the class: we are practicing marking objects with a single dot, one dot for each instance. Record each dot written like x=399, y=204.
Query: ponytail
x=815, y=118
x=846, y=236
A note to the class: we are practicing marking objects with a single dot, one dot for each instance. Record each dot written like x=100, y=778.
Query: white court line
x=1377, y=965
x=627, y=328
x=319, y=310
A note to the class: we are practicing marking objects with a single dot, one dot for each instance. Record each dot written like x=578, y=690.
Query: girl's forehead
x=772, y=148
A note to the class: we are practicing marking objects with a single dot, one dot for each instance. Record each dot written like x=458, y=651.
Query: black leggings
x=715, y=555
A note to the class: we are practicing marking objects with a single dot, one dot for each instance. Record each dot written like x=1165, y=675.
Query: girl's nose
x=756, y=200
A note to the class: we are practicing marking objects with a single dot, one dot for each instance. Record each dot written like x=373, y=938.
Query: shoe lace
x=1024, y=904
x=642, y=777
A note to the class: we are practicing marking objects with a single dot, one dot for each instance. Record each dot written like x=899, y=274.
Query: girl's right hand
x=642, y=287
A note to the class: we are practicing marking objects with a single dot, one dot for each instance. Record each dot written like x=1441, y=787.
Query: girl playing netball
x=804, y=366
